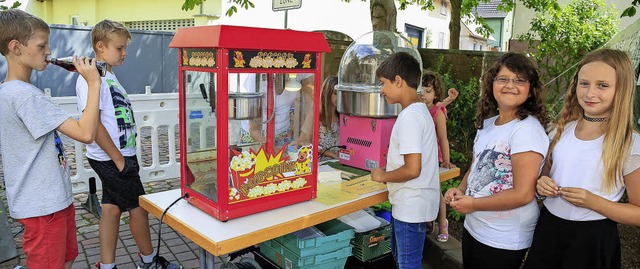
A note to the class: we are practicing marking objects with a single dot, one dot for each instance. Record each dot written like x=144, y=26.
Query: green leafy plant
x=559, y=38
x=15, y=5
x=444, y=186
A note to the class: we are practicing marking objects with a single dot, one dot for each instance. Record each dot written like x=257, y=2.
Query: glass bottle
x=67, y=63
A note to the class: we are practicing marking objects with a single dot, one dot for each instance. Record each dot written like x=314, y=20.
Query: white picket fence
x=156, y=118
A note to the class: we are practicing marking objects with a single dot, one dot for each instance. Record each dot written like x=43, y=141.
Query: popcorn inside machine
x=248, y=117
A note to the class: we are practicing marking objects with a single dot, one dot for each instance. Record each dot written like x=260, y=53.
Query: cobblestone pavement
x=174, y=246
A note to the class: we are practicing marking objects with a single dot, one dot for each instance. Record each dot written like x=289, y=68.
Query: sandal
x=430, y=227
x=443, y=237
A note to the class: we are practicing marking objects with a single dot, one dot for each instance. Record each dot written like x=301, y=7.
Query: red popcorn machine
x=249, y=105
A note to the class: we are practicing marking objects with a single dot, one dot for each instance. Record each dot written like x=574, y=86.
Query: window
x=414, y=34
x=443, y=7
x=441, y=40
x=160, y=25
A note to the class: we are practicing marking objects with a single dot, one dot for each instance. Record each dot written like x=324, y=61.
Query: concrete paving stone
x=169, y=235
x=88, y=229
x=174, y=242
x=190, y=264
x=181, y=248
x=82, y=223
x=90, y=241
x=123, y=259
x=93, y=259
x=128, y=242
x=92, y=251
x=186, y=256
x=95, y=245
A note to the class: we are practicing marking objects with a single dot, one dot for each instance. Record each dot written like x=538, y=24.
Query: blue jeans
x=407, y=243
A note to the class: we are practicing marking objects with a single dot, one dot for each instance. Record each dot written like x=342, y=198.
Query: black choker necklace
x=590, y=119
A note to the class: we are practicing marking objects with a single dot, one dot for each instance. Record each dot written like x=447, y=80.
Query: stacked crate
x=372, y=244
x=328, y=251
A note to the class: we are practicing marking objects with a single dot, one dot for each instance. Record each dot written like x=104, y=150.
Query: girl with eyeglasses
x=497, y=193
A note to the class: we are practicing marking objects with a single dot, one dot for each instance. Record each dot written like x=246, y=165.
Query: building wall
x=89, y=12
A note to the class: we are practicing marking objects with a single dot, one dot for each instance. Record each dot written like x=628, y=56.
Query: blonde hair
x=107, y=27
x=619, y=127
x=326, y=106
x=18, y=25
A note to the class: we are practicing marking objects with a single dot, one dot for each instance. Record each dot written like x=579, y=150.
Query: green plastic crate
x=287, y=259
x=337, y=236
x=372, y=244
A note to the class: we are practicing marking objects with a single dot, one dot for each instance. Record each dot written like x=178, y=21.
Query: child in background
x=36, y=175
x=432, y=86
x=113, y=155
x=412, y=161
x=497, y=192
x=329, y=137
x=594, y=156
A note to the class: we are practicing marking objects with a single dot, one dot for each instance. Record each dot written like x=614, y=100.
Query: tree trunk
x=454, y=25
x=383, y=15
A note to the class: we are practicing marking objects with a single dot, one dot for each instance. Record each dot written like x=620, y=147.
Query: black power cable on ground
x=160, y=225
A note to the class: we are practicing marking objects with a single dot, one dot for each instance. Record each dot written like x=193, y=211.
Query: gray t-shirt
x=36, y=175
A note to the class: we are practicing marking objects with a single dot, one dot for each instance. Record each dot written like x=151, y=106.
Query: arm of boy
x=443, y=140
x=525, y=167
x=84, y=129
x=623, y=213
x=103, y=139
x=410, y=170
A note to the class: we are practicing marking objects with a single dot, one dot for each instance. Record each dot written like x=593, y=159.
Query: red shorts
x=50, y=241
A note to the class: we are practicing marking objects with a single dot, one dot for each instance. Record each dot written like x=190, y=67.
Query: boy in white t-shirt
x=113, y=155
x=412, y=161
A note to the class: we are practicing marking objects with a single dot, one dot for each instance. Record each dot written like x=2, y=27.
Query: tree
x=246, y=4
x=14, y=5
x=562, y=37
x=460, y=9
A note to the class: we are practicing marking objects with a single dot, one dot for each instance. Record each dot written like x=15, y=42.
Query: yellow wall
x=93, y=11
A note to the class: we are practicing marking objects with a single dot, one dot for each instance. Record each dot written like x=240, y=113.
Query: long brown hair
x=619, y=127
x=327, y=109
x=525, y=69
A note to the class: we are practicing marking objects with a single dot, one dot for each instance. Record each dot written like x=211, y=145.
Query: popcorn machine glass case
x=248, y=117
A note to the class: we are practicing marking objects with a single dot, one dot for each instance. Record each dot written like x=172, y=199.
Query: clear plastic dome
x=357, y=71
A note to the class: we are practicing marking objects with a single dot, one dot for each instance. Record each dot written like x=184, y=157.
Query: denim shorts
x=407, y=243
x=119, y=188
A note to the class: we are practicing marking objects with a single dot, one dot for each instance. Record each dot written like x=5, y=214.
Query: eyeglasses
x=505, y=81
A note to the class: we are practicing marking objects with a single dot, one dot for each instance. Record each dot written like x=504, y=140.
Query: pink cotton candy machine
x=366, y=119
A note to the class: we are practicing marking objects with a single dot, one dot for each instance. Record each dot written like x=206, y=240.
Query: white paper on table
x=328, y=174
x=361, y=221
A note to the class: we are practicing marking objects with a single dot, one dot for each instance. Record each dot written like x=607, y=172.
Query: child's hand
x=377, y=174
x=451, y=195
x=547, y=186
x=447, y=165
x=453, y=94
x=577, y=196
x=463, y=204
x=87, y=68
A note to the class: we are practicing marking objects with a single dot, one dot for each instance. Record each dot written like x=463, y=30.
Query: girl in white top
x=594, y=157
x=497, y=193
